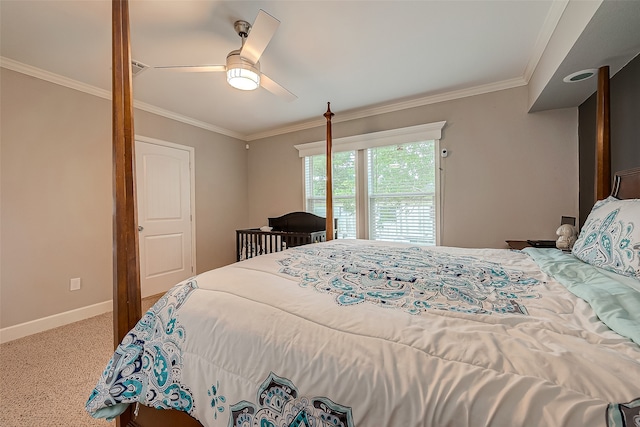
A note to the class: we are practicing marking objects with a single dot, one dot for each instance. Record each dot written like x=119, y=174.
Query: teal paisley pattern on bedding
x=624, y=414
x=279, y=405
x=412, y=279
x=610, y=238
x=146, y=367
x=217, y=400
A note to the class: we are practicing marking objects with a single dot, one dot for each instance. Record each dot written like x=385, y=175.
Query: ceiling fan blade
x=193, y=68
x=262, y=31
x=276, y=89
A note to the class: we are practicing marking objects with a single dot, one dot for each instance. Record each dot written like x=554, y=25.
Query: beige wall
x=56, y=198
x=509, y=175
x=221, y=185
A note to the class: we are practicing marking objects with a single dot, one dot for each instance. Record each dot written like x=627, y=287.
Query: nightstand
x=521, y=244
x=518, y=244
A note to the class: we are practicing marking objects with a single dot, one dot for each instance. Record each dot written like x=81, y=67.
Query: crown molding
x=392, y=107
x=188, y=120
x=343, y=117
x=549, y=26
x=551, y=22
x=41, y=74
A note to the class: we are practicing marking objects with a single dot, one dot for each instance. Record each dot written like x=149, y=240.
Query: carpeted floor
x=46, y=378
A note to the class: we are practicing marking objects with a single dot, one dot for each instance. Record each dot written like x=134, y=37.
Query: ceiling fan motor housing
x=242, y=28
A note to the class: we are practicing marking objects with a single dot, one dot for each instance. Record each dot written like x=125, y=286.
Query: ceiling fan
x=242, y=66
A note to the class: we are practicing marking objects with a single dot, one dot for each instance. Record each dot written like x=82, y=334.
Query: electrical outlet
x=75, y=284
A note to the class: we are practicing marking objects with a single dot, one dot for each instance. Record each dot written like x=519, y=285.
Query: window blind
x=385, y=184
x=401, y=183
x=344, y=190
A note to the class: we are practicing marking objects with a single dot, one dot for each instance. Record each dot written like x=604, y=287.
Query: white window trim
x=439, y=198
x=424, y=132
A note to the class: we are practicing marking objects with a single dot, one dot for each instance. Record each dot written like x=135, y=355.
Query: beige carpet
x=46, y=378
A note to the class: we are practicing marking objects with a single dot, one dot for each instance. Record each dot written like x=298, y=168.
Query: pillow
x=610, y=237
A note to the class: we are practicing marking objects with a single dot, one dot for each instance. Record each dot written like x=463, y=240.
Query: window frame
x=336, y=199
x=359, y=144
x=380, y=199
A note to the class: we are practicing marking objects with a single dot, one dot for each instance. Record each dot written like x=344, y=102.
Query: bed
x=349, y=332
x=352, y=332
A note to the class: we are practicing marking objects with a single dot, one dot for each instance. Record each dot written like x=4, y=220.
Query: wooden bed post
x=126, y=279
x=329, y=195
x=603, y=135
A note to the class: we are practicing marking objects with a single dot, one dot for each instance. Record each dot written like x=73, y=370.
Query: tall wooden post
x=603, y=135
x=126, y=278
x=329, y=195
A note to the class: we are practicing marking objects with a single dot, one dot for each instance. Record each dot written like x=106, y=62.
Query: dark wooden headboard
x=300, y=222
x=626, y=184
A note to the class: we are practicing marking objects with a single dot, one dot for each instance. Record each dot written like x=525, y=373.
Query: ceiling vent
x=137, y=67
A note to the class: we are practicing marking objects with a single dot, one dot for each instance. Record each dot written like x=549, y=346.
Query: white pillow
x=610, y=237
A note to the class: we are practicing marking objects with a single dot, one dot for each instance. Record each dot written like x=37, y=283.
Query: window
x=385, y=185
x=402, y=193
x=344, y=190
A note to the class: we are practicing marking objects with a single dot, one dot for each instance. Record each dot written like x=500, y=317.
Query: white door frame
x=192, y=172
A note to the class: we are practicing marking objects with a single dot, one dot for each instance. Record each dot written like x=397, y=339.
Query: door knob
x=140, y=228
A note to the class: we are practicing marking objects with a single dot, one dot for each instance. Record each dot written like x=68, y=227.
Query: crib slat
x=254, y=242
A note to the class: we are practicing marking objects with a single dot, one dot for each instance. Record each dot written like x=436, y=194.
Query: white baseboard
x=40, y=325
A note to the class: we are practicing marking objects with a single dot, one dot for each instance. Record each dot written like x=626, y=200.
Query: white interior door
x=164, y=216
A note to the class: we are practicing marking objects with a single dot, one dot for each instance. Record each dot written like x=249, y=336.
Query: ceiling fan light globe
x=243, y=79
x=242, y=73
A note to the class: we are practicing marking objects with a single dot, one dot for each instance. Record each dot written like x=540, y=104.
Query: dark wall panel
x=625, y=131
x=587, y=156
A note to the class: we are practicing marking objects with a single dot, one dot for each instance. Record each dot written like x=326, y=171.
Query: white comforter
x=272, y=341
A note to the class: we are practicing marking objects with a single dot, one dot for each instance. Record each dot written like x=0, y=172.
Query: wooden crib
x=287, y=231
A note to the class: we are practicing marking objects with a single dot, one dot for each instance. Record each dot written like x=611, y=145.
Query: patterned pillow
x=610, y=238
